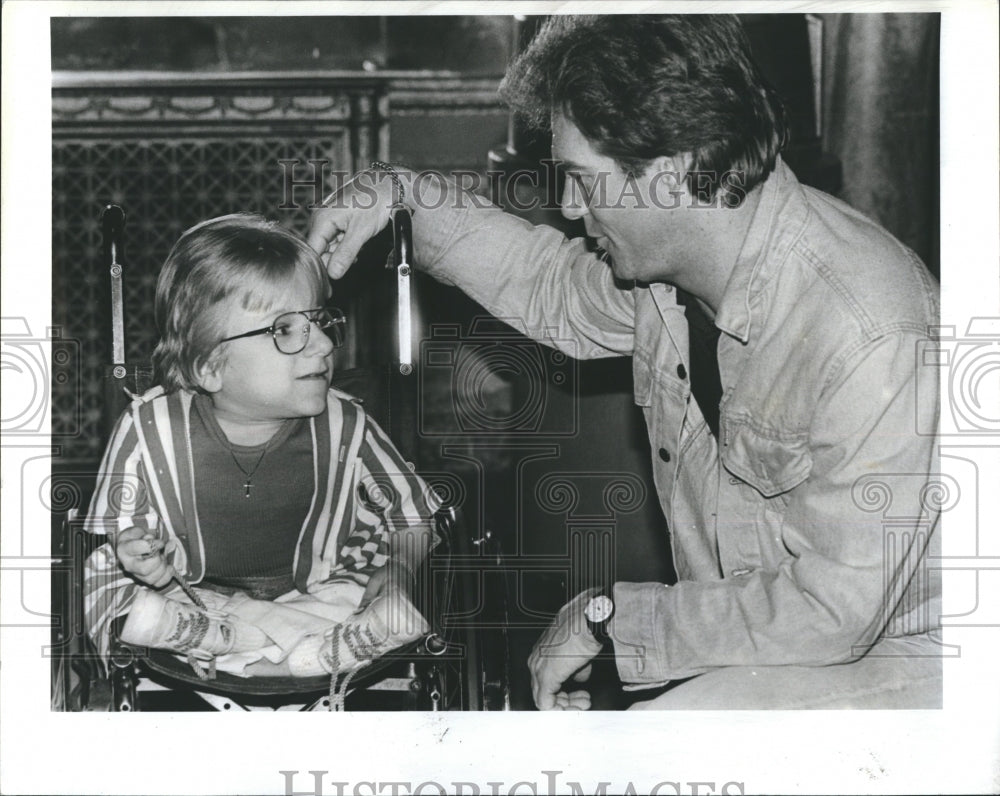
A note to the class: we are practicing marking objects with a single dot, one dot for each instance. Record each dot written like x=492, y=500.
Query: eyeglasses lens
x=291, y=330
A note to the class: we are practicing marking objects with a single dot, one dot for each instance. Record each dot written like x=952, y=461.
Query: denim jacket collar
x=764, y=249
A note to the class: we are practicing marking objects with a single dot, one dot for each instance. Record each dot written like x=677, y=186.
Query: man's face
x=629, y=216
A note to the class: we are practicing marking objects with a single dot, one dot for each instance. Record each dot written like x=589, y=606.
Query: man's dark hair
x=642, y=86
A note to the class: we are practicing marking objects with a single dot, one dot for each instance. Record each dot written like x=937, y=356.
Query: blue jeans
x=897, y=674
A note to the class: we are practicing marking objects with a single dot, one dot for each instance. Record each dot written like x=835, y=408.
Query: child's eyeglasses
x=290, y=330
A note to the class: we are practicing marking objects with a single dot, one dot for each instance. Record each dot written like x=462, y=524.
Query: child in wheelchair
x=256, y=517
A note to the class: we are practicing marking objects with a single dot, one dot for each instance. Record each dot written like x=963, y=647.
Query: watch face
x=599, y=609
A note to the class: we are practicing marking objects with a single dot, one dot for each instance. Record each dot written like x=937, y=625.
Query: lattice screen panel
x=171, y=160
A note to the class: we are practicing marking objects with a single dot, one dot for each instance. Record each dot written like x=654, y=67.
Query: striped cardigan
x=146, y=480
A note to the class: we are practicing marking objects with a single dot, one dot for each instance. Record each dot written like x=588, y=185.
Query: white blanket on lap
x=287, y=621
x=297, y=634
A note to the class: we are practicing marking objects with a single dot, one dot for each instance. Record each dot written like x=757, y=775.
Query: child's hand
x=394, y=575
x=143, y=555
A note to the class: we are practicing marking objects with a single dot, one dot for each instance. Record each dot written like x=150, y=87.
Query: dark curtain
x=881, y=120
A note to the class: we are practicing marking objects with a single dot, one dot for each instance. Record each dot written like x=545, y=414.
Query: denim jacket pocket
x=771, y=465
x=642, y=381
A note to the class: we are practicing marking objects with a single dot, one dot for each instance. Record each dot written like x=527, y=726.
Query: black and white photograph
x=634, y=373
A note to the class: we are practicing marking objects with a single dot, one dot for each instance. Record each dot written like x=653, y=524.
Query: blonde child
x=255, y=516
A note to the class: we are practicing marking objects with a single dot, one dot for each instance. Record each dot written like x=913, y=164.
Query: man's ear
x=675, y=168
x=209, y=374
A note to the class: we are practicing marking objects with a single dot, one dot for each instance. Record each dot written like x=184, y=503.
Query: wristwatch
x=598, y=612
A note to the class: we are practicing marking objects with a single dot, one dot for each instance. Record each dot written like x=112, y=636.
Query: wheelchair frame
x=441, y=671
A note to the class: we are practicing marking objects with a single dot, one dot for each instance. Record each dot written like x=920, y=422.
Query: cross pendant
x=246, y=488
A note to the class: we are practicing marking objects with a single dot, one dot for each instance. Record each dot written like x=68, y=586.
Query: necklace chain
x=248, y=484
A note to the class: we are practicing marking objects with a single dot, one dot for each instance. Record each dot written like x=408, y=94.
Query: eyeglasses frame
x=338, y=318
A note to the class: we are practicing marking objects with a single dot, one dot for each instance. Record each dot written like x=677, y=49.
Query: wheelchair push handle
x=402, y=253
x=113, y=228
x=112, y=221
x=113, y=231
x=402, y=235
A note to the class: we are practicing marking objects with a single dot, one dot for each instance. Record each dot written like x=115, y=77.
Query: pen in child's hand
x=191, y=593
x=156, y=548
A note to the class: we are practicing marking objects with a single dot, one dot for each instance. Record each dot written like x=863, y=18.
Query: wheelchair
x=454, y=666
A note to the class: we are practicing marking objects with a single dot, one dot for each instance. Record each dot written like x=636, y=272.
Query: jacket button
x=665, y=454
x=682, y=371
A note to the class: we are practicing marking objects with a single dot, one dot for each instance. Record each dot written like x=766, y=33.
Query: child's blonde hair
x=242, y=255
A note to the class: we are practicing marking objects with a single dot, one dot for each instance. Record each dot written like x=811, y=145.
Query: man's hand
x=348, y=219
x=144, y=556
x=563, y=652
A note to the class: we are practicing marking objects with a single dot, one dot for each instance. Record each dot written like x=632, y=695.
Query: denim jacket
x=781, y=540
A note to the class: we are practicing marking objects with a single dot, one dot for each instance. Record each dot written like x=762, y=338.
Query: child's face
x=257, y=383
